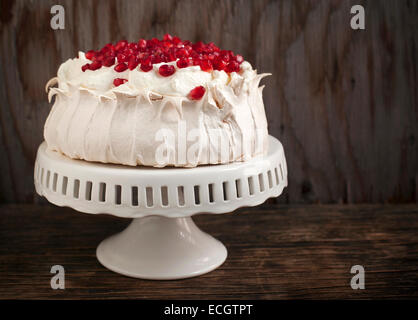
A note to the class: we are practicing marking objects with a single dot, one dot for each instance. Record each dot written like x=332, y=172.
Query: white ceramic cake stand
x=162, y=242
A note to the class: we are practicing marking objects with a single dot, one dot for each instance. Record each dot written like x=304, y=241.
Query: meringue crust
x=149, y=120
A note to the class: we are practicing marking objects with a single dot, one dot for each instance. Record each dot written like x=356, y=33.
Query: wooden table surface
x=275, y=252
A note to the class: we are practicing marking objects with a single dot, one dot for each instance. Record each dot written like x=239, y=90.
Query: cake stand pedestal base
x=162, y=242
x=160, y=248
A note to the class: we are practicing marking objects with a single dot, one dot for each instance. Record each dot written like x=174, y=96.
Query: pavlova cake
x=157, y=103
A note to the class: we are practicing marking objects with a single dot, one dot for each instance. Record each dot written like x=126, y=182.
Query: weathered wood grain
x=344, y=103
x=274, y=252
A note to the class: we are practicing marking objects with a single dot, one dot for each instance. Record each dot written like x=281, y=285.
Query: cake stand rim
x=175, y=212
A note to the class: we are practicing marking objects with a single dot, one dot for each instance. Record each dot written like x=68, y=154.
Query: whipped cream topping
x=100, y=81
x=95, y=121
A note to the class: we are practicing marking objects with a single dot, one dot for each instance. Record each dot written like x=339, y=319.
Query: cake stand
x=162, y=242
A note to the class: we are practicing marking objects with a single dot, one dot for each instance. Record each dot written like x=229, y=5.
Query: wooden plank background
x=343, y=102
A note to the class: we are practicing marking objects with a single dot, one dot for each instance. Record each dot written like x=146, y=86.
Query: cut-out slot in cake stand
x=162, y=242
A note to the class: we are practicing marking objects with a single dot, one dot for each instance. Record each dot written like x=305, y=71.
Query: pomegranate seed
x=146, y=65
x=183, y=63
x=133, y=62
x=195, y=55
x=166, y=70
x=156, y=59
x=224, y=55
x=122, y=57
x=140, y=56
x=196, y=61
x=99, y=57
x=120, y=67
x=198, y=46
x=167, y=44
x=121, y=44
x=108, y=50
x=90, y=54
x=239, y=58
x=167, y=37
x=206, y=65
x=171, y=57
x=118, y=81
x=128, y=52
x=213, y=47
x=85, y=67
x=153, y=42
x=181, y=53
x=142, y=44
x=197, y=93
x=109, y=61
x=95, y=65
x=219, y=64
x=111, y=54
x=176, y=40
x=233, y=66
x=133, y=46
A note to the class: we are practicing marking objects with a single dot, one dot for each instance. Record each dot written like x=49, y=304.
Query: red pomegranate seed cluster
x=143, y=54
